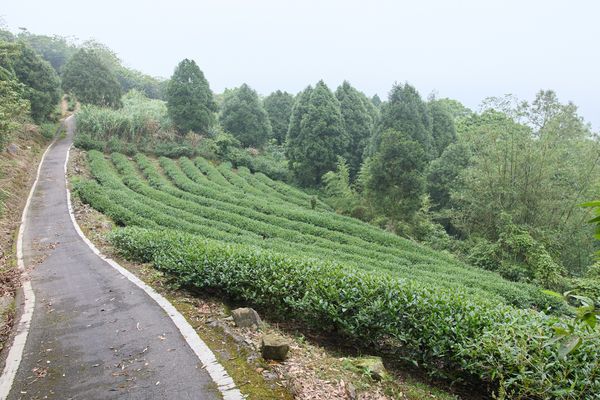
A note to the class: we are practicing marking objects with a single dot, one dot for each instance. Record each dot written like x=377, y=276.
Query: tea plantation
x=273, y=246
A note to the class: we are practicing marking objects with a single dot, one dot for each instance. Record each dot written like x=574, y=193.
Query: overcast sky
x=467, y=50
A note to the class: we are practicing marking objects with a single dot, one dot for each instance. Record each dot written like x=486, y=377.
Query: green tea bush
x=441, y=330
x=244, y=216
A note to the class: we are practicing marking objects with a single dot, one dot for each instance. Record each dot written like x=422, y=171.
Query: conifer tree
x=407, y=113
x=316, y=135
x=190, y=101
x=358, y=123
x=243, y=116
x=279, y=108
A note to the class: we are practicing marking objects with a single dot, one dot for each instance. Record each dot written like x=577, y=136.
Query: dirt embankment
x=18, y=165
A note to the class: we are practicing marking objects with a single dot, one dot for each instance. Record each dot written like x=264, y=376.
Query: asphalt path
x=94, y=334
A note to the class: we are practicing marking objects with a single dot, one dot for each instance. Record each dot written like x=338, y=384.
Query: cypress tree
x=316, y=135
x=405, y=112
x=279, y=108
x=243, y=116
x=358, y=123
x=190, y=101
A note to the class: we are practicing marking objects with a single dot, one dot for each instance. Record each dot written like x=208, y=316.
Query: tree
x=243, y=115
x=129, y=79
x=405, y=112
x=91, y=80
x=376, y=101
x=537, y=172
x=394, y=180
x=279, y=107
x=13, y=102
x=41, y=81
x=455, y=108
x=358, y=124
x=442, y=127
x=316, y=135
x=189, y=99
x=57, y=50
x=443, y=174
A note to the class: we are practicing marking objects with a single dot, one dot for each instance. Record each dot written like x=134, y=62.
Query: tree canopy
x=279, y=108
x=316, y=136
x=442, y=127
x=394, y=175
x=405, y=112
x=189, y=99
x=41, y=81
x=242, y=115
x=57, y=50
x=88, y=77
x=358, y=124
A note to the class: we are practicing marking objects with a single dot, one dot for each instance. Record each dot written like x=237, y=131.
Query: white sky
x=466, y=50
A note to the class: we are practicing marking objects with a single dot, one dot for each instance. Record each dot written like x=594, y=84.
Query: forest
x=479, y=227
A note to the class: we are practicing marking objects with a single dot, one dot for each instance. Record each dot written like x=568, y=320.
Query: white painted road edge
x=15, y=354
x=216, y=371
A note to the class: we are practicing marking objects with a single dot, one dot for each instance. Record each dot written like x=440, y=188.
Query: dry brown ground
x=17, y=172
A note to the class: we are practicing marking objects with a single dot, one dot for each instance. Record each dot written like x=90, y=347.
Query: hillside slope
x=240, y=207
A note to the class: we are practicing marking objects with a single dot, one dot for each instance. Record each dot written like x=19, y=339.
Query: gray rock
x=12, y=149
x=373, y=366
x=274, y=348
x=246, y=317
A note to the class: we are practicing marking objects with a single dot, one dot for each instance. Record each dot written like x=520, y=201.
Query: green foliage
x=395, y=182
x=439, y=330
x=279, y=108
x=376, y=100
x=456, y=109
x=358, y=124
x=338, y=189
x=442, y=127
x=405, y=112
x=240, y=207
x=57, y=50
x=142, y=124
x=243, y=115
x=189, y=99
x=129, y=79
x=444, y=172
x=14, y=105
x=517, y=256
x=49, y=130
x=41, y=81
x=316, y=135
x=90, y=79
x=537, y=172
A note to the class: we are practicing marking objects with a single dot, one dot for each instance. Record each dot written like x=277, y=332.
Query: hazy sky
x=466, y=50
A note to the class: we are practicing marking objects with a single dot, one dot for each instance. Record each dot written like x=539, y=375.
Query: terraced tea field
x=237, y=206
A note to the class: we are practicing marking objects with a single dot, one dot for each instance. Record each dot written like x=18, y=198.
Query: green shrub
x=49, y=130
x=86, y=142
x=441, y=330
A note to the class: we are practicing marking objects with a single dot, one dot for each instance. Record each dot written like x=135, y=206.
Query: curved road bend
x=94, y=334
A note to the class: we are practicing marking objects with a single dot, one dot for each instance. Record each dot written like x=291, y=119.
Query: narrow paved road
x=94, y=334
